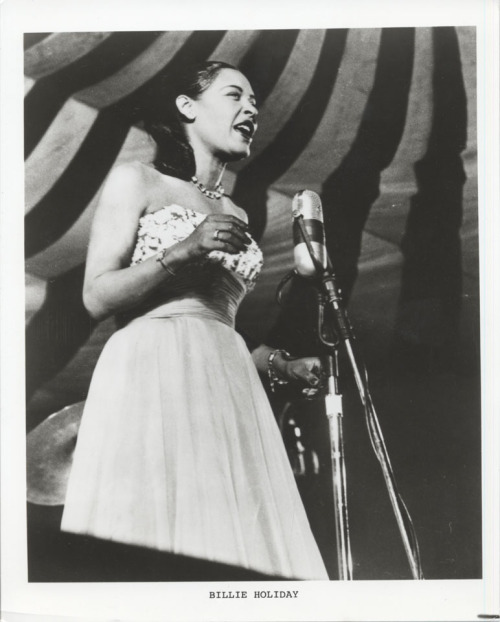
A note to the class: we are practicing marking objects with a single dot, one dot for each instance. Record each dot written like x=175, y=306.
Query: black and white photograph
x=254, y=373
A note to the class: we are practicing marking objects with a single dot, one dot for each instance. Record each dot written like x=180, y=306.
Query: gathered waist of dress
x=191, y=307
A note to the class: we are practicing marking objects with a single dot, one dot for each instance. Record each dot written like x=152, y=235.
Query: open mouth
x=246, y=129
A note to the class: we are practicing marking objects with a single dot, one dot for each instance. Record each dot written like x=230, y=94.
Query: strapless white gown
x=178, y=448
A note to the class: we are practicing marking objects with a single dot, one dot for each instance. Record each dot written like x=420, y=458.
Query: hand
x=218, y=232
x=307, y=370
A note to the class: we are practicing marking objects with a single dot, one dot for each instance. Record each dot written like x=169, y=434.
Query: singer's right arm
x=110, y=284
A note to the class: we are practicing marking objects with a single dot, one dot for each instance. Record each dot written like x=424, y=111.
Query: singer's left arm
x=306, y=370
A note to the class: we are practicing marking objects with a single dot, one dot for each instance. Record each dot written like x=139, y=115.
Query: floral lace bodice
x=174, y=223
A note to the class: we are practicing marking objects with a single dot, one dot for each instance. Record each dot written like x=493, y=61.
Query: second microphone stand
x=334, y=413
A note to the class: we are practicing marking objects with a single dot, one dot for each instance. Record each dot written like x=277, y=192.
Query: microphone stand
x=334, y=413
x=329, y=294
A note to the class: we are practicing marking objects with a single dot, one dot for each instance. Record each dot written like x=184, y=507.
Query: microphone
x=308, y=217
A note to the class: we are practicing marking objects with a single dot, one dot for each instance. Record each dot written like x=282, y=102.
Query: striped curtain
x=380, y=122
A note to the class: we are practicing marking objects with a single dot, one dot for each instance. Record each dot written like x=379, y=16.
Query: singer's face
x=225, y=117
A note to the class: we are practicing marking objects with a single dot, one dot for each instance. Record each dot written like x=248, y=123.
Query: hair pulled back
x=174, y=154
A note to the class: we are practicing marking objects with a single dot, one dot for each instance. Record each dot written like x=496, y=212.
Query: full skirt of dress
x=179, y=451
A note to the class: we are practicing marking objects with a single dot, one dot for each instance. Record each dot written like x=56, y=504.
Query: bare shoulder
x=130, y=175
x=127, y=189
x=238, y=211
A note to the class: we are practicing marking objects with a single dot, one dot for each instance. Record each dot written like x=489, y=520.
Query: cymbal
x=49, y=455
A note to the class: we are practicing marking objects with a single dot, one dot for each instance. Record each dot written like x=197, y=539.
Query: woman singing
x=178, y=448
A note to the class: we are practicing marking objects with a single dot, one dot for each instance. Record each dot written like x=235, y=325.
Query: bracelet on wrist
x=274, y=378
x=160, y=259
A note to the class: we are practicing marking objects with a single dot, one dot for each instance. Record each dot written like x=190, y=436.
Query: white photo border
x=359, y=600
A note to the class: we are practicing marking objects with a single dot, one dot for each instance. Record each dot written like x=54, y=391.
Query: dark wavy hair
x=174, y=154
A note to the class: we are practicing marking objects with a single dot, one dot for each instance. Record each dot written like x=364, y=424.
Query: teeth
x=245, y=128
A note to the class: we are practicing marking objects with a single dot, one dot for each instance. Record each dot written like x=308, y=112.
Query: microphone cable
x=380, y=450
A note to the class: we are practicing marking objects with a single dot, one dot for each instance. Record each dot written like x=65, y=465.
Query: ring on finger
x=216, y=234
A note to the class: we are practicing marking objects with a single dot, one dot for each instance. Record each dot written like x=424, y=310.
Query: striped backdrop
x=380, y=122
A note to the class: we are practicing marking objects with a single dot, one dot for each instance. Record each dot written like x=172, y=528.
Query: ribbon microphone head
x=308, y=220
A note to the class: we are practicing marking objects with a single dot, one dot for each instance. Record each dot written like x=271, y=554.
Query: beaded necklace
x=211, y=194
